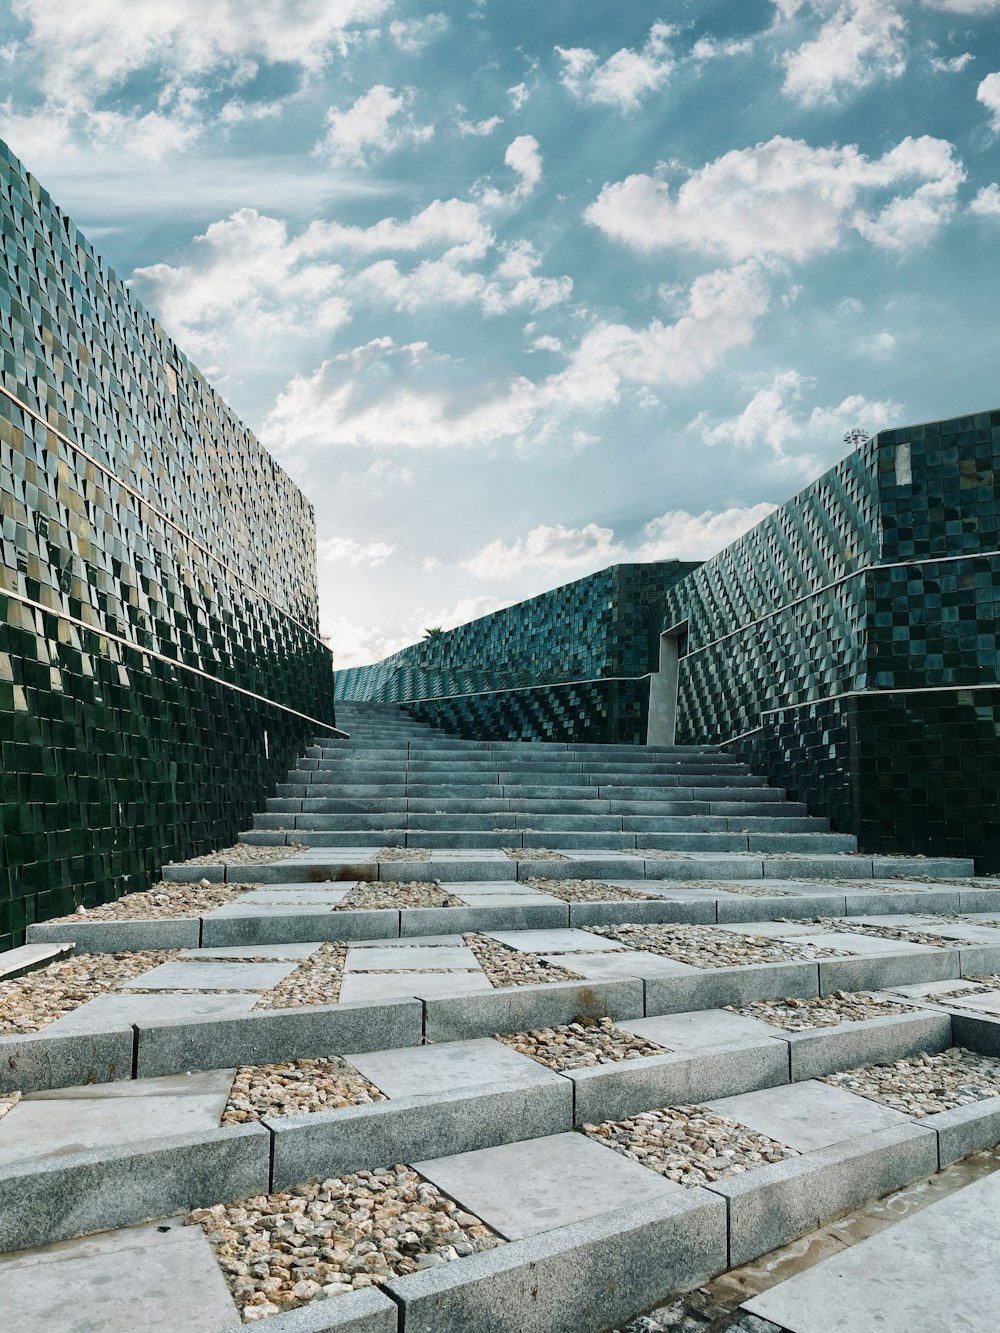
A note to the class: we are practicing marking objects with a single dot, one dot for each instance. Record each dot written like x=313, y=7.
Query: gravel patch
x=279, y=1251
x=827, y=1011
x=315, y=981
x=397, y=893
x=8, y=1101
x=983, y=985
x=299, y=1085
x=906, y=934
x=403, y=854
x=577, y=1045
x=509, y=967
x=708, y=946
x=161, y=902
x=689, y=1144
x=587, y=891
x=243, y=854
x=924, y=1084
x=32, y=1002
x=533, y=854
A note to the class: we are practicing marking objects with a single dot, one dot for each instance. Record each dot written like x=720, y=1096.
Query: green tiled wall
x=150, y=691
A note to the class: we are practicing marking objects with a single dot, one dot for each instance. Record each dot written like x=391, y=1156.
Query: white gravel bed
x=403, y=854
x=587, y=891
x=316, y=980
x=794, y=1015
x=533, y=854
x=580, y=1044
x=708, y=946
x=32, y=1002
x=923, y=1084
x=510, y=967
x=283, y=1250
x=299, y=1085
x=689, y=1144
x=243, y=854
x=161, y=902
x=398, y=893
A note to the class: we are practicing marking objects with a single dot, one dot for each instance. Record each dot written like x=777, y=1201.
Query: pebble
x=32, y=1002
x=300, y=1085
x=795, y=1015
x=397, y=893
x=909, y=934
x=577, y=1045
x=163, y=901
x=533, y=854
x=403, y=854
x=326, y=1237
x=510, y=967
x=587, y=891
x=924, y=1084
x=708, y=946
x=243, y=854
x=316, y=980
x=689, y=1144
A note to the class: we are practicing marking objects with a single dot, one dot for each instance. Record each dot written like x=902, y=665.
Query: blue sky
x=516, y=290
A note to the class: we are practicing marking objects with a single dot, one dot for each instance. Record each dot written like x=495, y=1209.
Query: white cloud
x=415, y=34
x=624, y=78
x=678, y=535
x=954, y=65
x=881, y=344
x=568, y=552
x=478, y=128
x=988, y=93
x=775, y=419
x=709, y=48
x=524, y=157
x=786, y=198
x=518, y=95
x=987, y=202
x=378, y=122
x=357, y=645
x=355, y=552
x=862, y=42
x=974, y=8
x=452, y=223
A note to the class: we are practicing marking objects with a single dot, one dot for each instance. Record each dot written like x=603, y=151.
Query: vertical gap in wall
x=854, y=772
x=135, y=1051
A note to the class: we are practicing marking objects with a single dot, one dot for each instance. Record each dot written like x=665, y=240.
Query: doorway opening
x=662, y=727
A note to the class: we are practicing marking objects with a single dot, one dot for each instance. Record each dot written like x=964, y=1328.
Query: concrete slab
x=392, y=958
x=429, y=1070
x=412, y=942
x=809, y=1115
x=619, y=963
x=937, y=1269
x=67, y=1120
x=251, y=952
x=699, y=1028
x=212, y=976
x=865, y=946
x=269, y=909
x=110, y=1011
x=285, y=896
x=986, y=1002
x=522, y=1189
x=775, y=930
x=553, y=941
x=930, y=990
x=141, y=1277
x=360, y=987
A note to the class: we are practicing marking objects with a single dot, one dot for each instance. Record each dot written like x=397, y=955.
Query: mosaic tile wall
x=150, y=692
x=583, y=633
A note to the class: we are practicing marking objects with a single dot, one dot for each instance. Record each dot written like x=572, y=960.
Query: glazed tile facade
x=150, y=689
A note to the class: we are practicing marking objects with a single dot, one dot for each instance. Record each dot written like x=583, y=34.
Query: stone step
x=831, y=843
x=580, y=823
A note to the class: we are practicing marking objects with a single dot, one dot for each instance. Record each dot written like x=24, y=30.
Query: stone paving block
x=361, y=1138
x=618, y=963
x=716, y=987
x=427, y=1070
x=290, y=928
x=78, y=1119
x=872, y=1041
x=591, y=1274
x=271, y=1035
x=488, y=912
x=113, y=1011
x=520, y=1189
x=413, y=941
x=362, y=1311
x=701, y=1028
x=809, y=1115
x=30, y=957
x=298, y=952
x=932, y=1271
x=976, y=1033
x=878, y=971
x=113, y=936
x=155, y=1276
x=616, y=1091
x=49, y=1059
x=772, y=1205
x=966, y=1129
x=693, y=866
x=735, y=909
x=363, y=987
x=522, y=1008
x=583, y=867
x=57, y=1198
x=554, y=941
x=820, y=867
x=212, y=976
x=449, y=870
x=935, y=867
x=413, y=958
x=614, y=913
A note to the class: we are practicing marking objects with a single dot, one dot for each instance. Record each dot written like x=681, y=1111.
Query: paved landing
x=937, y=1270
x=553, y=941
x=411, y=957
x=618, y=963
x=68, y=1120
x=520, y=1189
x=212, y=976
x=418, y=1070
x=808, y=1115
x=359, y=986
x=699, y=1028
x=124, y=1009
x=118, y=1282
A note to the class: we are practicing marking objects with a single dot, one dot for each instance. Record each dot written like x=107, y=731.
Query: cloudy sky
x=516, y=289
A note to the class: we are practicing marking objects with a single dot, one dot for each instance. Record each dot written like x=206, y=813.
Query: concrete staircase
x=621, y=1010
